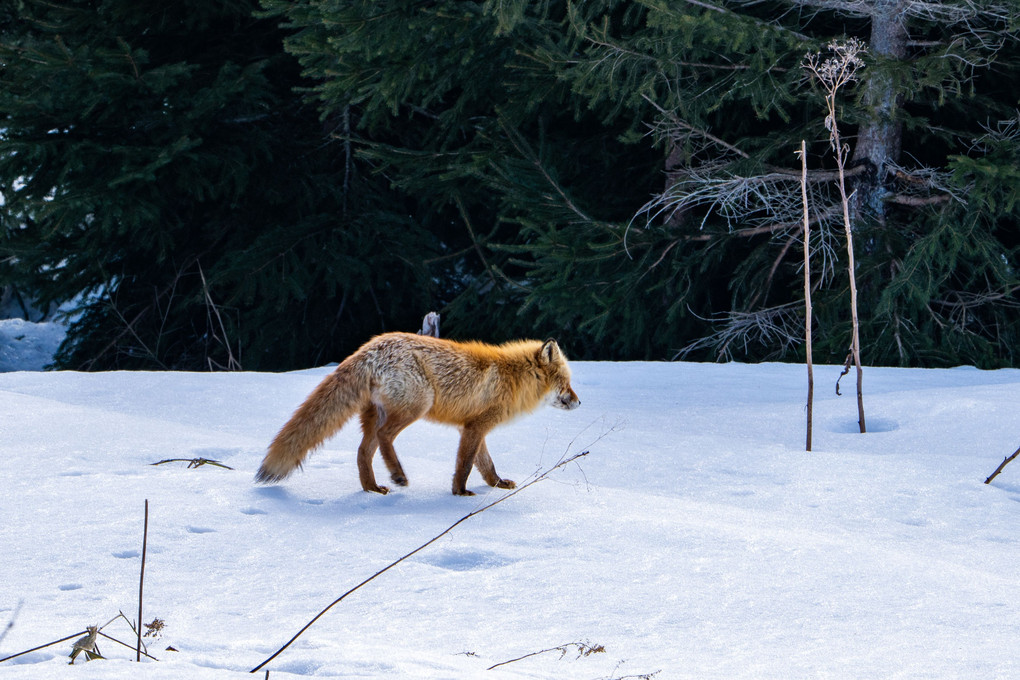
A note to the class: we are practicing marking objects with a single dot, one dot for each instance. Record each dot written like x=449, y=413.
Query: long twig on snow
x=48, y=644
x=79, y=634
x=124, y=644
x=193, y=462
x=563, y=461
x=583, y=649
x=1003, y=464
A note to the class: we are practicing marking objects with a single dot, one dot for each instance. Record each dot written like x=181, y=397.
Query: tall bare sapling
x=834, y=73
x=807, y=292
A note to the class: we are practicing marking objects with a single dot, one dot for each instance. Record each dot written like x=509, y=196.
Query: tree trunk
x=880, y=136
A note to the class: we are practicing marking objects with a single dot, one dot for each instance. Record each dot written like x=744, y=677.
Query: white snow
x=697, y=538
x=27, y=346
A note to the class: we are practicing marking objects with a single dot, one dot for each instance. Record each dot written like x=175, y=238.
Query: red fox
x=396, y=378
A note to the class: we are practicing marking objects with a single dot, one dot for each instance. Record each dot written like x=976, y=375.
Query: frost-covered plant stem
x=834, y=73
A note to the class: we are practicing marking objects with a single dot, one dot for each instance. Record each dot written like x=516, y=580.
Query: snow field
x=697, y=538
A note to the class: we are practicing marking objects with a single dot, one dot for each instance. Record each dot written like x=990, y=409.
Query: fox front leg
x=471, y=441
x=483, y=461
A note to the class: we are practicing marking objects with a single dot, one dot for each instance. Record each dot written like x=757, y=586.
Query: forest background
x=264, y=185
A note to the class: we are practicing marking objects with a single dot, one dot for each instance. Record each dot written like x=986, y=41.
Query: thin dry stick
x=78, y=634
x=141, y=581
x=807, y=291
x=232, y=363
x=48, y=644
x=193, y=462
x=124, y=644
x=855, y=342
x=561, y=463
x=1003, y=464
x=583, y=649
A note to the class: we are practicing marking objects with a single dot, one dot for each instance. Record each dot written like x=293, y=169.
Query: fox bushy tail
x=336, y=399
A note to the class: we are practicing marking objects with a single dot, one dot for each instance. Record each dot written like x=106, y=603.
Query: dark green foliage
x=455, y=104
x=157, y=165
x=617, y=174
x=728, y=101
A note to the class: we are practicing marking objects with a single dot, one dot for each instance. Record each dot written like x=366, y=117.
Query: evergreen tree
x=447, y=100
x=542, y=129
x=158, y=167
x=620, y=174
x=723, y=89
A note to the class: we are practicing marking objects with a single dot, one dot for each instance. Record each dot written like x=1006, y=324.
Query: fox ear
x=550, y=351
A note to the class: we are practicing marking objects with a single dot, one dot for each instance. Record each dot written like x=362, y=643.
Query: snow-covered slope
x=697, y=538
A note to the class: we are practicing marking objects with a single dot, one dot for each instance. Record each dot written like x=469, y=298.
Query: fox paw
x=399, y=480
x=463, y=492
x=506, y=484
x=380, y=489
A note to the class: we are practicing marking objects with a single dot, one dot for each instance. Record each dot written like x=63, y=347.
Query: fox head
x=557, y=372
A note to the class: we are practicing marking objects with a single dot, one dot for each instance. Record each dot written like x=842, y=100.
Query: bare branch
x=583, y=649
x=765, y=327
x=1003, y=464
x=565, y=460
x=233, y=364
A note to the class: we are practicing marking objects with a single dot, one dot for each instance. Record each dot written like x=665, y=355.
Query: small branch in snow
x=538, y=478
x=124, y=644
x=1002, y=465
x=194, y=462
x=74, y=635
x=48, y=644
x=583, y=649
x=141, y=581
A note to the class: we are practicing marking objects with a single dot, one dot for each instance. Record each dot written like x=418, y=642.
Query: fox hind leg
x=380, y=427
x=387, y=432
x=483, y=462
x=366, y=450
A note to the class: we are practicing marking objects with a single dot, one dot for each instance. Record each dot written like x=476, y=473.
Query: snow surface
x=697, y=539
x=27, y=346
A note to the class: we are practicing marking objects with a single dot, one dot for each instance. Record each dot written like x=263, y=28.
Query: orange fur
x=397, y=378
